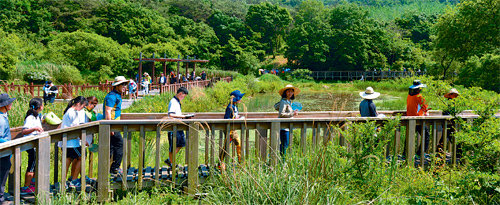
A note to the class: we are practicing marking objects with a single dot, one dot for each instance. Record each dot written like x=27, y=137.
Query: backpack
x=277, y=105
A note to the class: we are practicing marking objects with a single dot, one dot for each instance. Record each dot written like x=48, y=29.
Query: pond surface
x=321, y=101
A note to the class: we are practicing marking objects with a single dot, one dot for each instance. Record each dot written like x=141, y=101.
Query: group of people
x=415, y=106
x=49, y=92
x=81, y=110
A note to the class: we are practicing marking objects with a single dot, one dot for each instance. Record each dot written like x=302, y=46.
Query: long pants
x=285, y=141
x=233, y=138
x=4, y=174
x=146, y=89
x=116, y=150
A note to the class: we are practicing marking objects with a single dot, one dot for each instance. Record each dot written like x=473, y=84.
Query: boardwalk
x=205, y=135
x=361, y=75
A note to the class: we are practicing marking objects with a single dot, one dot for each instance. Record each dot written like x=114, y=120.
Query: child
x=90, y=114
x=5, y=106
x=232, y=113
x=72, y=118
x=32, y=126
x=132, y=90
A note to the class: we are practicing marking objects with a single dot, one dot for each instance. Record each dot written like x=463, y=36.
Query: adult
x=112, y=111
x=416, y=106
x=450, y=110
x=51, y=91
x=46, y=90
x=5, y=106
x=203, y=75
x=173, y=79
x=284, y=107
x=163, y=79
x=367, y=108
x=193, y=75
x=232, y=113
x=145, y=83
x=175, y=111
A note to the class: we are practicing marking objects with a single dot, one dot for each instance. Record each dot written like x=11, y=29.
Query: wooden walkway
x=361, y=75
x=205, y=133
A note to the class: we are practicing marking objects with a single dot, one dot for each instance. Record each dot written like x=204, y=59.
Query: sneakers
x=75, y=183
x=167, y=161
x=27, y=190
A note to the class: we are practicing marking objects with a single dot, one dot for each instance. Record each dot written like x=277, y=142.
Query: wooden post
x=410, y=142
x=154, y=71
x=212, y=148
x=247, y=146
x=243, y=142
x=43, y=170
x=141, y=157
x=157, y=161
x=262, y=134
x=103, y=161
x=139, y=86
x=207, y=146
x=129, y=145
x=434, y=137
x=397, y=140
x=178, y=69
x=82, y=164
x=226, y=147
x=193, y=160
x=275, y=133
x=56, y=163
x=17, y=175
x=125, y=156
x=303, y=138
x=422, y=145
x=63, y=162
x=445, y=136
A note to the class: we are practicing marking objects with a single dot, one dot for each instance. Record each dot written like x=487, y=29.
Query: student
x=174, y=111
x=52, y=92
x=72, y=117
x=46, y=90
x=112, y=110
x=5, y=106
x=132, y=90
x=285, y=110
x=145, y=83
x=232, y=113
x=90, y=115
x=367, y=107
x=173, y=79
x=416, y=106
x=32, y=126
x=204, y=75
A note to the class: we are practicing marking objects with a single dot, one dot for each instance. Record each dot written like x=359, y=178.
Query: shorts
x=31, y=160
x=180, y=140
x=74, y=153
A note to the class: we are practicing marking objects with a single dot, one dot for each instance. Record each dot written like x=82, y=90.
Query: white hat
x=119, y=80
x=369, y=94
x=452, y=91
x=296, y=91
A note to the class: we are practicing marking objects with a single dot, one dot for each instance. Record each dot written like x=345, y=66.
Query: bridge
x=205, y=137
x=362, y=75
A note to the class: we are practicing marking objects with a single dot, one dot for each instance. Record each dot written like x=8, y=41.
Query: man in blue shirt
x=5, y=106
x=112, y=111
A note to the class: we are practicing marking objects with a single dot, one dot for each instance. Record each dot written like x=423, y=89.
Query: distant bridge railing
x=361, y=75
x=265, y=126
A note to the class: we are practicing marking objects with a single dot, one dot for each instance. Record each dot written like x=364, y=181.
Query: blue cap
x=237, y=95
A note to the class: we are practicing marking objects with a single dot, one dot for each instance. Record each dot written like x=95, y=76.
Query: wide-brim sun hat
x=369, y=94
x=417, y=84
x=296, y=90
x=452, y=91
x=119, y=80
x=146, y=74
x=5, y=100
x=237, y=95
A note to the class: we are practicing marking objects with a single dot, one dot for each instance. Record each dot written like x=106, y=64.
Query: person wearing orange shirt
x=416, y=106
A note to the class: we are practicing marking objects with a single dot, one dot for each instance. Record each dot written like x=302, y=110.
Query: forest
x=94, y=40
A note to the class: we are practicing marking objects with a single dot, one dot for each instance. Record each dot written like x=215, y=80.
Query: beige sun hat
x=119, y=80
x=369, y=94
x=452, y=91
x=146, y=73
x=296, y=90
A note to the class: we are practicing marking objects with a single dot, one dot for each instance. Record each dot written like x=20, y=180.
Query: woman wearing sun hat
x=5, y=136
x=285, y=110
x=416, y=106
x=232, y=113
x=367, y=107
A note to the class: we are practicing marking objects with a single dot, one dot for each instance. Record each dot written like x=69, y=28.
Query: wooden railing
x=361, y=75
x=265, y=127
x=68, y=91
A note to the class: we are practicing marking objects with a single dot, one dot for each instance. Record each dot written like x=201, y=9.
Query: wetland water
x=322, y=101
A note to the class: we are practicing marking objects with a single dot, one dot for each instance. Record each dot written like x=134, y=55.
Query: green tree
x=470, y=29
x=272, y=21
x=236, y=57
x=95, y=56
x=483, y=72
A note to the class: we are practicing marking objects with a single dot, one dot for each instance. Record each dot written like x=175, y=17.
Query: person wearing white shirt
x=174, y=111
x=73, y=117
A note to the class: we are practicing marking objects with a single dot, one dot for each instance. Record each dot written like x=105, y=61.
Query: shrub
x=39, y=72
x=302, y=74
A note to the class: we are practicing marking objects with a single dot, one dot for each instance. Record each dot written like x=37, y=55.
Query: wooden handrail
x=319, y=122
